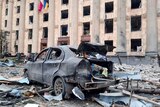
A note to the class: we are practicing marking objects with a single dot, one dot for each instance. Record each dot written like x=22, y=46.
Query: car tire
x=59, y=87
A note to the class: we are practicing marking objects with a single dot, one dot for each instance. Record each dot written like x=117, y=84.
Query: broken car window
x=42, y=55
x=55, y=54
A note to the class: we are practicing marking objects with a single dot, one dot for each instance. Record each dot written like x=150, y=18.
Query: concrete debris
x=50, y=97
x=21, y=80
x=31, y=105
x=138, y=87
x=7, y=63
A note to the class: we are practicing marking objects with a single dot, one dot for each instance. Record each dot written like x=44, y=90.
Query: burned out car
x=63, y=68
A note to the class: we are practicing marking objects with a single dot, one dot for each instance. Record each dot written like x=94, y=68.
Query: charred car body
x=64, y=68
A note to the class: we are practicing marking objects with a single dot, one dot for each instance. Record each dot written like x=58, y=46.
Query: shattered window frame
x=109, y=26
x=136, y=44
x=109, y=7
x=136, y=23
x=135, y=4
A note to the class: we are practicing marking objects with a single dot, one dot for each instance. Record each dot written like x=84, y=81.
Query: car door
x=36, y=66
x=52, y=64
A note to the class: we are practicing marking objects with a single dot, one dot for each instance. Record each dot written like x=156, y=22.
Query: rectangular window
x=136, y=23
x=64, y=30
x=109, y=45
x=29, y=48
x=45, y=32
x=16, y=48
x=30, y=32
x=136, y=45
x=17, y=34
x=31, y=6
x=18, y=9
x=135, y=4
x=86, y=28
x=30, y=19
x=86, y=10
x=109, y=26
x=45, y=17
x=64, y=14
x=109, y=7
x=6, y=1
x=17, y=21
x=5, y=23
x=65, y=1
x=6, y=12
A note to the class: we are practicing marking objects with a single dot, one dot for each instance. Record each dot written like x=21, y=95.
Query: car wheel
x=59, y=87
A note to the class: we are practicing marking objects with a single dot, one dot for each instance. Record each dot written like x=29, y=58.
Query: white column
x=35, y=27
x=51, y=26
x=121, y=26
x=0, y=14
x=22, y=27
x=95, y=23
x=73, y=15
x=152, y=40
x=9, y=23
x=158, y=12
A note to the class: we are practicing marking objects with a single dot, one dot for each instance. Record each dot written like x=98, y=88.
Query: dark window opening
x=17, y=21
x=109, y=26
x=16, y=48
x=6, y=1
x=17, y=34
x=6, y=12
x=135, y=23
x=135, y=4
x=109, y=7
x=86, y=28
x=5, y=24
x=30, y=19
x=45, y=17
x=65, y=1
x=31, y=6
x=30, y=32
x=45, y=32
x=109, y=44
x=86, y=10
x=64, y=14
x=64, y=30
x=18, y=9
x=136, y=45
x=29, y=48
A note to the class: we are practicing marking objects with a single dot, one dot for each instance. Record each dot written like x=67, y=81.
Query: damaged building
x=132, y=26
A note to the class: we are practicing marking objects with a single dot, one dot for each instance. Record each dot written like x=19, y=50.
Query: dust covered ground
x=147, y=72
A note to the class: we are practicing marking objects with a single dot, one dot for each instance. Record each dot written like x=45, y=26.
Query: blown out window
x=136, y=45
x=136, y=23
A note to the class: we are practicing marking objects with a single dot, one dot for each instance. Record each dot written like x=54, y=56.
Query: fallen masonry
x=138, y=87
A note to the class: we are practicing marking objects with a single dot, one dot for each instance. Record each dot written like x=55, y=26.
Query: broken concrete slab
x=22, y=80
x=134, y=75
x=108, y=101
x=50, y=97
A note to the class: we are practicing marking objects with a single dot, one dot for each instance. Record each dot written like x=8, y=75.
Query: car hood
x=99, y=48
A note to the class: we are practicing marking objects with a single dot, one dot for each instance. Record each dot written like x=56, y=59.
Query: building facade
x=133, y=26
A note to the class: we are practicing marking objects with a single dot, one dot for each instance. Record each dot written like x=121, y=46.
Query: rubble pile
x=138, y=87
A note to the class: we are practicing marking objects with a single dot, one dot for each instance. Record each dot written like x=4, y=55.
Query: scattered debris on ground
x=138, y=87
